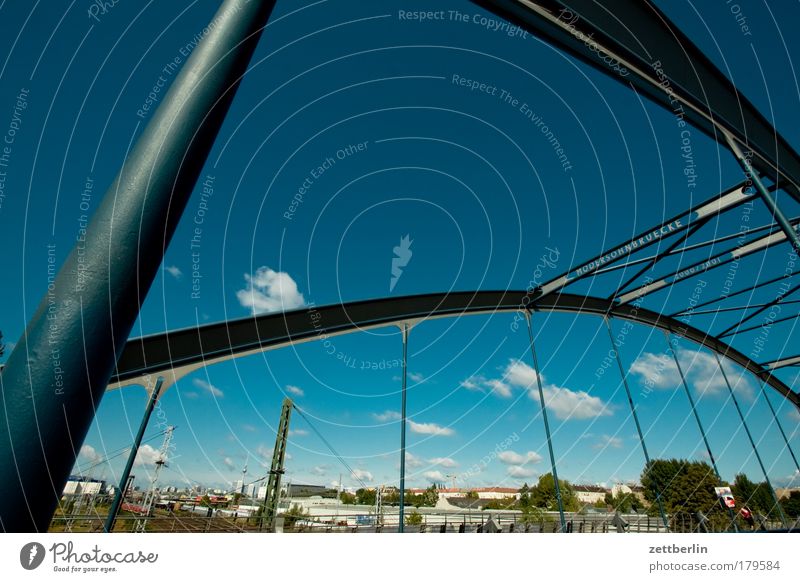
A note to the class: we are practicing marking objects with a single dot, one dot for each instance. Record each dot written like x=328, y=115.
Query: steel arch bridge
x=631, y=41
x=174, y=354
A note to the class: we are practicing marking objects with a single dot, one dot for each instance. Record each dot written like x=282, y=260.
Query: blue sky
x=429, y=130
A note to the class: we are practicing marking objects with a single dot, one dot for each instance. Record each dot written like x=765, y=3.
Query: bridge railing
x=468, y=522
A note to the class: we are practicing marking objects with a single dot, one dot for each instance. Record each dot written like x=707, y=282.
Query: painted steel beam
x=195, y=347
x=695, y=246
x=58, y=372
x=736, y=330
x=652, y=262
x=749, y=289
x=718, y=204
x=783, y=363
x=713, y=262
x=636, y=44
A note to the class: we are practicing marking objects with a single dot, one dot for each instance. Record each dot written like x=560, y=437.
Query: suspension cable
x=330, y=447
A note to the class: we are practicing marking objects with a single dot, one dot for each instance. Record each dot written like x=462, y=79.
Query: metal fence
x=468, y=522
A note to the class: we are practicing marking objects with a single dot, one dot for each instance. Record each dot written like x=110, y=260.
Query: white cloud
x=794, y=414
x=609, y=441
x=295, y=390
x=413, y=461
x=500, y=388
x=792, y=480
x=434, y=476
x=174, y=271
x=430, y=428
x=416, y=377
x=147, y=456
x=513, y=458
x=564, y=403
x=520, y=472
x=298, y=432
x=320, y=470
x=657, y=370
x=521, y=374
x=365, y=476
x=249, y=428
x=268, y=291
x=572, y=404
x=446, y=462
x=89, y=453
x=481, y=384
x=700, y=369
x=387, y=416
x=210, y=388
x=228, y=462
x=473, y=383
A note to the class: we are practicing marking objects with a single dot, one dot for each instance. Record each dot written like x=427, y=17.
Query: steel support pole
x=659, y=499
x=559, y=500
x=770, y=202
x=401, y=525
x=126, y=472
x=699, y=423
x=750, y=438
x=269, y=509
x=780, y=426
x=58, y=372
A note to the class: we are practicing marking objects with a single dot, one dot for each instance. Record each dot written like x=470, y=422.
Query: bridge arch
x=176, y=353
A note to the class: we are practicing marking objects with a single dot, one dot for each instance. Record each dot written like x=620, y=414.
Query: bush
x=413, y=518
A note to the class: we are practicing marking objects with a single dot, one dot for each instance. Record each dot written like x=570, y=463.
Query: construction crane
x=270, y=508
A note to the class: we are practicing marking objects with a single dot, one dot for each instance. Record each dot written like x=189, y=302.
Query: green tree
x=293, y=514
x=685, y=486
x=743, y=490
x=544, y=494
x=391, y=497
x=205, y=501
x=764, y=500
x=524, y=495
x=413, y=518
x=430, y=496
x=532, y=514
x=756, y=496
x=791, y=504
x=366, y=496
x=471, y=494
x=657, y=478
x=347, y=498
x=625, y=502
x=506, y=503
